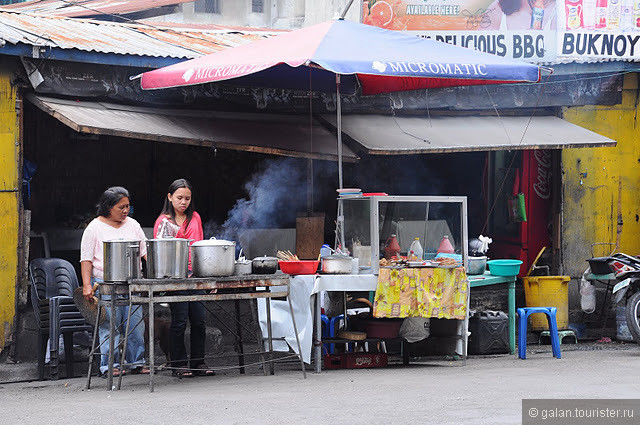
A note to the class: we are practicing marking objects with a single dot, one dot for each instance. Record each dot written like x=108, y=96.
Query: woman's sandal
x=203, y=370
x=116, y=373
x=142, y=370
x=182, y=373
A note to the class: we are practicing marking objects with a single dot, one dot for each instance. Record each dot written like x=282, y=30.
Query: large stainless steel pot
x=213, y=257
x=121, y=260
x=264, y=265
x=337, y=264
x=167, y=258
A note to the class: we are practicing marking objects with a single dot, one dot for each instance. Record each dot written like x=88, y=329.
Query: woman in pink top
x=178, y=210
x=113, y=222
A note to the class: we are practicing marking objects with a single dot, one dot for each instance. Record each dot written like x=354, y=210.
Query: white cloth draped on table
x=301, y=289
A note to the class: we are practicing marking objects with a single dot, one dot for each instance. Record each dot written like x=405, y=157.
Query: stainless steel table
x=249, y=287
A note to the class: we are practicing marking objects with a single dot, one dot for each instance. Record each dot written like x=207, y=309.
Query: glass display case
x=368, y=224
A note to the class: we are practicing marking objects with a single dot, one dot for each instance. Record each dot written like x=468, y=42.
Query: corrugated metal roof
x=142, y=39
x=78, y=9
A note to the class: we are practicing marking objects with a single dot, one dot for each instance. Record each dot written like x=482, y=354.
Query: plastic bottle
x=613, y=14
x=416, y=248
x=445, y=246
x=626, y=15
x=392, y=248
x=537, y=14
x=636, y=15
x=601, y=13
x=325, y=251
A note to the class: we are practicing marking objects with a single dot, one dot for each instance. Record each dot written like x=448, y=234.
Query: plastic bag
x=167, y=229
x=587, y=294
x=415, y=329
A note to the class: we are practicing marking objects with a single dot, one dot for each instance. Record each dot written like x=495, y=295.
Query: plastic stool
x=523, y=315
x=325, y=330
x=329, y=325
x=561, y=335
x=332, y=331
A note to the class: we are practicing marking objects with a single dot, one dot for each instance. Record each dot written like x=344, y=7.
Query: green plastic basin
x=504, y=267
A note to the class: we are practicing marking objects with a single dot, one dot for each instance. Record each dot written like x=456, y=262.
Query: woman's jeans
x=195, y=313
x=135, y=340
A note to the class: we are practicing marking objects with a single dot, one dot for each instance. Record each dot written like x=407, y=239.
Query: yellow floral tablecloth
x=422, y=292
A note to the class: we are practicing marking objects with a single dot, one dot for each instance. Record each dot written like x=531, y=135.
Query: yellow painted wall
x=604, y=205
x=9, y=136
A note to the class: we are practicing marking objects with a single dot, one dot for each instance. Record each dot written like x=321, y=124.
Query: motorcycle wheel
x=632, y=313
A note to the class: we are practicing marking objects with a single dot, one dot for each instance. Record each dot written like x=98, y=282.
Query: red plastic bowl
x=299, y=267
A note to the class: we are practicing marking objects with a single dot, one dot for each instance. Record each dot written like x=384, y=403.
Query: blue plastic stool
x=329, y=326
x=325, y=330
x=523, y=316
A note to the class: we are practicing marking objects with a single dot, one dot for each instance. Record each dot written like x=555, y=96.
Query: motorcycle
x=626, y=268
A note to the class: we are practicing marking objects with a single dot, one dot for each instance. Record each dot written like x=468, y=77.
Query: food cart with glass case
x=365, y=223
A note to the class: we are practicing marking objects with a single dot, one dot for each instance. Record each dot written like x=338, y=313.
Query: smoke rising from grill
x=275, y=195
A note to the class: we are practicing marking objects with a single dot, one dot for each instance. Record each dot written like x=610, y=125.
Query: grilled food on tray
x=446, y=261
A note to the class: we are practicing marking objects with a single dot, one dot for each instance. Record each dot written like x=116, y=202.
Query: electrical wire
x=393, y=114
x=506, y=174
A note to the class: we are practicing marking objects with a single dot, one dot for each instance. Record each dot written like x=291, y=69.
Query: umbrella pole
x=339, y=120
x=340, y=218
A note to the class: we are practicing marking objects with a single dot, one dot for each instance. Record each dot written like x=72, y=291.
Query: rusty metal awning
x=286, y=135
x=389, y=135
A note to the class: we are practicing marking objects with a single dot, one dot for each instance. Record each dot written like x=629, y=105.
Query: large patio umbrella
x=348, y=54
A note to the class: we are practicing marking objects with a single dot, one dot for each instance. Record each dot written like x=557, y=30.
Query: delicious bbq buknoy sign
x=538, y=31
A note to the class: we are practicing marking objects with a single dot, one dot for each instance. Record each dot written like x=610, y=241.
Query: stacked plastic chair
x=52, y=283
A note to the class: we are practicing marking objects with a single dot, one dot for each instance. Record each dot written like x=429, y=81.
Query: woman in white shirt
x=113, y=222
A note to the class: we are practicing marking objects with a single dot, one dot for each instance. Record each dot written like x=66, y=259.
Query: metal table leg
x=317, y=335
x=605, y=304
x=92, y=353
x=239, y=337
x=112, y=333
x=512, y=315
x=295, y=331
x=270, y=336
x=152, y=354
x=124, y=346
x=254, y=308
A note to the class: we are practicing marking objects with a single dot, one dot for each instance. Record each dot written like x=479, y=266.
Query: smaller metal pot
x=476, y=265
x=337, y=264
x=264, y=265
x=242, y=268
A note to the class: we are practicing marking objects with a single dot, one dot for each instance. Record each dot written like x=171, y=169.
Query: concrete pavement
x=488, y=390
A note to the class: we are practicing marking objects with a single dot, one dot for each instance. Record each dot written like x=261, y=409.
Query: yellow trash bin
x=547, y=291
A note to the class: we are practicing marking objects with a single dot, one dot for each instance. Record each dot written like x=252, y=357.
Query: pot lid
x=213, y=242
x=265, y=258
x=169, y=240
x=122, y=241
x=337, y=257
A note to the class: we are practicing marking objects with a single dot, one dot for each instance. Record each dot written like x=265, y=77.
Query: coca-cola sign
x=542, y=186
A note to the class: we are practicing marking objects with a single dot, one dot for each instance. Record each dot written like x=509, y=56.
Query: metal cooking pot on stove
x=213, y=257
x=167, y=258
x=121, y=260
x=337, y=264
x=264, y=265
